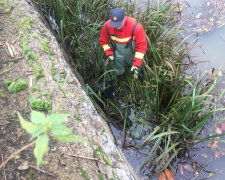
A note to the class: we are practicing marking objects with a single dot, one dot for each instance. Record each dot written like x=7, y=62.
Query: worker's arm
x=104, y=41
x=140, y=45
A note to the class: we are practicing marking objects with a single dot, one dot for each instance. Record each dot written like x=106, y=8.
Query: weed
x=101, y=176
x=7, y=11
x=41, y=105
x=16, y=85
x=41, y=127
x=84, y=174
x=3, y=95
x=78, y=115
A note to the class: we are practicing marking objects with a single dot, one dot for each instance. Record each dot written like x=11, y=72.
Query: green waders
x=123, y=56
x=123, y=53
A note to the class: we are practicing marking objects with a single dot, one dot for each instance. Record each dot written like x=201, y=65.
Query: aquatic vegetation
x=16, y=85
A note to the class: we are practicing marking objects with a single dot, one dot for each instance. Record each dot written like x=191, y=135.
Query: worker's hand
x=135, y=70
x=109, y=60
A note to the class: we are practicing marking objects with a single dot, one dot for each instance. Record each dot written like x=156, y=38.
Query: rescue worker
x=124, y=42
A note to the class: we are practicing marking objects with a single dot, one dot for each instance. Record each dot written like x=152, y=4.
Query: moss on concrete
x=41, y=105
x=16, y=85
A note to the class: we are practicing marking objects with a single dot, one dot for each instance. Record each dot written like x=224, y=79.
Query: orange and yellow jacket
x=122, y=36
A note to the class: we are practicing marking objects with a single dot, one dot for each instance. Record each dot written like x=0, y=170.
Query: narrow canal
x=203, y=19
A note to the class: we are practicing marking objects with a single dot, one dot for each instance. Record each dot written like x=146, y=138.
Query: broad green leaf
x=37, y=117
x=57, y=118
x=61, y=130
x=69, y=138
x=28, y=126
x=41, y=147
x=39, y=130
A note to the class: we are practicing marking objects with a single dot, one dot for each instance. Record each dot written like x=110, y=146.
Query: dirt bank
x=29, y=51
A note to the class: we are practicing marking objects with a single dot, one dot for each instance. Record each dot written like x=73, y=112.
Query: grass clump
x=16, y=85
x=40, y=105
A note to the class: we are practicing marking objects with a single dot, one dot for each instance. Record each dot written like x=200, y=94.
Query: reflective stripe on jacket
x=122, y=36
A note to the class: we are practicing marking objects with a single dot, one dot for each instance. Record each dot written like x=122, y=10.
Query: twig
x=3, y=168
x=9, y=49
x=89, y=158
x=42, y=171
x=16, y=59
x=1, y=118
x=16, y=153
x=6, y=71
x=4, y=123
x=98, y=168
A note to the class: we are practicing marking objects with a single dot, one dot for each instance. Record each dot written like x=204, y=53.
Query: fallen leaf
x=217, y=154
x=204, y=155
x=211, y=19
x=181, y=170
x=188, y=167
x=178, y=10
x=218, y=130
x=220, y=73
x=198, y=15
x=213, y=144
x=119, y=142
x=223, y=127
x=170, y=175
x=162, y=176
x=2, y=43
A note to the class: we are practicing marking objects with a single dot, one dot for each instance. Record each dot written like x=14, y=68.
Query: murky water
x=202, y=17
x=211, y=51
x=205, y=19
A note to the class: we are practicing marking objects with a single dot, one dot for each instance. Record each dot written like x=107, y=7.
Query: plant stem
x=6, y=71
x=16, y=153
x=43, y=171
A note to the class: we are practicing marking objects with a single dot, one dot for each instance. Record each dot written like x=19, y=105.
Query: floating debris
x=208, y=16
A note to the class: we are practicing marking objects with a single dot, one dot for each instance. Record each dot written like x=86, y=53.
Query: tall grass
x=169, y=106
x=78, y=25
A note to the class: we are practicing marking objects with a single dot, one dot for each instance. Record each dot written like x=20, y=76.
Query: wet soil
x=21, y=29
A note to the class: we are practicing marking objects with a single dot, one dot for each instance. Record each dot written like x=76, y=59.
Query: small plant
x=41, y=127
x=7, y=11
x=40, y=105
x=16, y=85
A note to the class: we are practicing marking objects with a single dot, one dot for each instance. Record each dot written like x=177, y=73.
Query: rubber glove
x=135, y=70
x=109, y=60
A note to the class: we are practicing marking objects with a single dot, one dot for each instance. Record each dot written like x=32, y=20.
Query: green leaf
x=61, y=130
x=41, y=147
x=57, y=118
x=28, y=126
x=64, y=134
x=37, y=117
x=69, y=138
x=39, y=130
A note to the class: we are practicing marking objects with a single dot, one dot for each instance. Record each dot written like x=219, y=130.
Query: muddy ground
x=22, y=31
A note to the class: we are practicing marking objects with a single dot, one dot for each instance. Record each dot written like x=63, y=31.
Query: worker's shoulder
x=130, y=20
x=133, y=21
